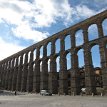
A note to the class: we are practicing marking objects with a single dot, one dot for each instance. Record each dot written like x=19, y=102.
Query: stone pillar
x=1, y=73
x=100, y=29
x=63, y=74
x=6, y=76
x=36, y=75
x=14, y=79
x=4, y=73
x=89, y=71
x=103, y=57
x=24, y=73
x=85, y=34
x=19, y=75
x=44, y=73
x=30, y=74
x=11, y=74
x=2, y=69
x=53, y=82
x=75, y=78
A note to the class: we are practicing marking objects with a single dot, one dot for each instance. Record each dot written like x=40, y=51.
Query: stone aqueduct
x=16, y=73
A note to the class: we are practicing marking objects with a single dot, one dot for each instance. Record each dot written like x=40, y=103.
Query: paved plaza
x=8, y=99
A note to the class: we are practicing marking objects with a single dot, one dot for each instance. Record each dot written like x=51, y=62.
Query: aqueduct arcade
x=30, y=71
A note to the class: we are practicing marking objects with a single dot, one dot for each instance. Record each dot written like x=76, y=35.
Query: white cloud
x=85, y=11
x=82, y=11
x=25, y=31
x=48, y=12
x=25, y=16
x=8, y=49
x=15, y=16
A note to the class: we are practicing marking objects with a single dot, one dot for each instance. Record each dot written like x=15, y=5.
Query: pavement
x=8, y=99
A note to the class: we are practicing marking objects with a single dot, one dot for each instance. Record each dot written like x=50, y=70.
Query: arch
x=57, y=45
x=14, y=62
x=68, y=58
x=41, y=52
x=96, y=56
x=24, y=58
x=80, y=54
x=34, y=53
x=48, y=65
x=58, y=63
x=29, y=56
x=104, y=25
x=92, y=32
x=19, y=60
x=79, y=37
x=49, y=49
x=40, y=66
x=33, y=67
x=7, y=64
x=67, y=42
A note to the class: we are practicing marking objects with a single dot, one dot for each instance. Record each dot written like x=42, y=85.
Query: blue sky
x=25, y=22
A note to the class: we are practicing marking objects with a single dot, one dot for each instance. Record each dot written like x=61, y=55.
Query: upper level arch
x=57, y=45
x=24, y=58
x=41, y=52
x=15, y=62
x=67, y=42
x=92, y=32
x=29, y=56
x=104, y=26
x=19, y=58
x=49, y=48
x=79, y=37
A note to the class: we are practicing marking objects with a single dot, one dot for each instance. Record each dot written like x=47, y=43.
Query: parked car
x=45, y=93
x=83, y=91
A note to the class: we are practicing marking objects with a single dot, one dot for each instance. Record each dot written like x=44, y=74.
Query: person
x=15, y=93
